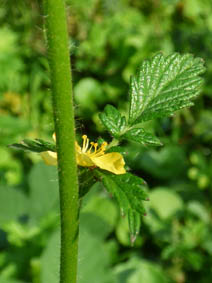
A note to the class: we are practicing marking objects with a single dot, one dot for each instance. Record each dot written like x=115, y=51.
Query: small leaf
x=141, y=136
x=48, y=145
x=164, y=85
x=129, y=191
x=36, y=145
x=112, y=120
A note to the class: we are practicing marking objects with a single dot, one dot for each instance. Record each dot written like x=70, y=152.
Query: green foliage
x=113, y=121
x=162, y=164
x=12, y=127
x=165, y=202
x=13, y=204
x=11, y=65
x=141, y=136
x=91, y=245
x=43, y=187
x=129, y=192
x=140, y=271
x=88, y=95
x=164, y=85
x=2, y=280
x=37, y=145
x=109, y=41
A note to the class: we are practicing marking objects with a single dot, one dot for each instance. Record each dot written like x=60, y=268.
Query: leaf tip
x=132, y=239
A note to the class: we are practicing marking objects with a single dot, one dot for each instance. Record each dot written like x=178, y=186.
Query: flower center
x=93, y=150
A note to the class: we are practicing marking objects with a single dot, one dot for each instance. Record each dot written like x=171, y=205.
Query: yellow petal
x=112, y=162
x=77, y=147
x=49, y=157
x=84, y=160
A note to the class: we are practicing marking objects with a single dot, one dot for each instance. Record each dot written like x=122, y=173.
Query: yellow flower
x=92, y=157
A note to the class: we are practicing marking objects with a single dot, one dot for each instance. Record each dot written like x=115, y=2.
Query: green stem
x=62, y=98
x=114, y=142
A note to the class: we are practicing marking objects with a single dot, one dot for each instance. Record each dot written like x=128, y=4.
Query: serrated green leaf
x=164, y=85
x=120, y=196
x=129, y=191
x=36, y=145
x=141, y=136
x=112, y=120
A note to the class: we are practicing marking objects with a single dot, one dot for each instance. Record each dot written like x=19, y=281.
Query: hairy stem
x=62, y=98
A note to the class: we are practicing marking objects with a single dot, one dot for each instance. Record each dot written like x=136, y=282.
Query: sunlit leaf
x=141, y=136
x=164, y=85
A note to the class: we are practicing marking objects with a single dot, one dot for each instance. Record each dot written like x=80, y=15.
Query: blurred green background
x=108, y=41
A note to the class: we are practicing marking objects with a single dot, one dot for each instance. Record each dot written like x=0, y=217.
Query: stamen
x=95, y=147
x=92, y=144
x=92, y=152
x=85, y=143
x=103, y=146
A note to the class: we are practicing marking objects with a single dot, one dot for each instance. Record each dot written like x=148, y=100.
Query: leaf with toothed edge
x=141, y=136
x=36, y=145
x=130, y=192
x=112, y=120
x=163, y=85
x=134, y=220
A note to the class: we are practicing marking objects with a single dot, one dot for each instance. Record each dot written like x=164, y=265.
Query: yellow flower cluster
x=93, y=156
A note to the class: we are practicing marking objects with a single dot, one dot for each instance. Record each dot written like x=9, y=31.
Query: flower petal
x=113, y=162
x=84, y=160
x=49, y=157
x=77, y=147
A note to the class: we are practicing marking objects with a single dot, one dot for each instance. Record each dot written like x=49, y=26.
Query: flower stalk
x=62, y=99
